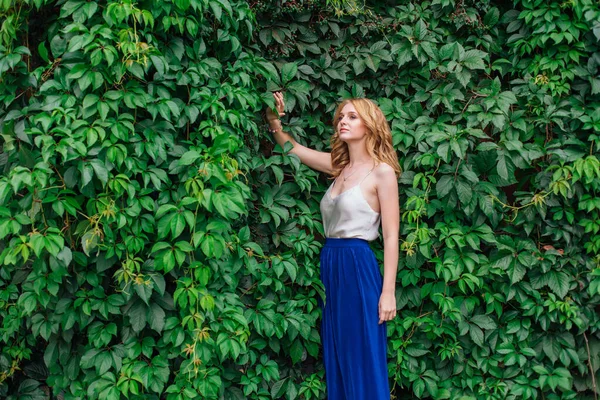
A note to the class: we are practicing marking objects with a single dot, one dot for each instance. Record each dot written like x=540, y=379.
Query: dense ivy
x=155, y=244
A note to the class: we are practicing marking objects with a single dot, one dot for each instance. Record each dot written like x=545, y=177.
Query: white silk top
x=349, y=215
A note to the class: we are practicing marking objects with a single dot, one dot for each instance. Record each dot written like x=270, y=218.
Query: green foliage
x=153, y=244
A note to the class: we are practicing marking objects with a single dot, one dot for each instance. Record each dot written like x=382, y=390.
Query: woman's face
x=349, y=124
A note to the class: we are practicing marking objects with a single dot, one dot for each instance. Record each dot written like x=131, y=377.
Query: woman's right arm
x=319, y=160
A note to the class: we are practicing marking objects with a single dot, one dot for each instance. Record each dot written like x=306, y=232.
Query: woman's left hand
x=387, y=307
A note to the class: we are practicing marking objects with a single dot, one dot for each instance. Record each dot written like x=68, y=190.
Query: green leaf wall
x=155, y=244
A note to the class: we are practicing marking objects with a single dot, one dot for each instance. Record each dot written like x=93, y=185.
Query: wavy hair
x=379, y=137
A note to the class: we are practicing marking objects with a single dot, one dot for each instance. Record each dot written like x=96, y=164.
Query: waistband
x=346, y=242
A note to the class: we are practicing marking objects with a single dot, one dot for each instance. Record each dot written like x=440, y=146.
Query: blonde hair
x=379, y=137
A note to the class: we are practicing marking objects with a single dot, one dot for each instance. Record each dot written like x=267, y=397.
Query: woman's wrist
x=388, y=290
x=275, y=122
x=270, y=115
x=275, y=125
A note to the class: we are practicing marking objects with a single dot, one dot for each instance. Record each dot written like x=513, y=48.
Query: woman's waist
x=346, y=242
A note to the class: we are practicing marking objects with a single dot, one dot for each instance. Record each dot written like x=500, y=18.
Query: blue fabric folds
x=354, y=344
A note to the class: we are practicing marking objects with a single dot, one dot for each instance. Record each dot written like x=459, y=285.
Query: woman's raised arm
x=319, y=160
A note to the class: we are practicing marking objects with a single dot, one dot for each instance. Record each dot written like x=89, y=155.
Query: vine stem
x=456, y=172
x=414, y=328
x=587, y=346
x=517, y=208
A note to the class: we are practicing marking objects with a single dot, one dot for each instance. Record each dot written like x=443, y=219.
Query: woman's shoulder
x=384, y=174
x=383, y=169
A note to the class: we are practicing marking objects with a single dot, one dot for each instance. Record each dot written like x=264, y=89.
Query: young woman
x=363, y=195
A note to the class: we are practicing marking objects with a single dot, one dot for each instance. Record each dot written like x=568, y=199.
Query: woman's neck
x=358, y=154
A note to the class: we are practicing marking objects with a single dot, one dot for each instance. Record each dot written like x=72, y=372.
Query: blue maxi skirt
x=354, y=344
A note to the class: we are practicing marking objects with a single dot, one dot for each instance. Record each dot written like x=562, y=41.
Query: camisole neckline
x=328, y=193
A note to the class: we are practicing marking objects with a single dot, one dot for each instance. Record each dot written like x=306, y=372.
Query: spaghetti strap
x=333, y=183
x=365, y=177
x=359, y=183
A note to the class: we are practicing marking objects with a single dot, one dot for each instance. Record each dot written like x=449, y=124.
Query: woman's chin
x=347, y=137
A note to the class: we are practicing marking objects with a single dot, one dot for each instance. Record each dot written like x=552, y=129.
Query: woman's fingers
x=279, y=96
x=279, y=102
x=387, y=315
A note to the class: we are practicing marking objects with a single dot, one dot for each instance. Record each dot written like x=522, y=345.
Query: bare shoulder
x=385, y=173
x=386, y=185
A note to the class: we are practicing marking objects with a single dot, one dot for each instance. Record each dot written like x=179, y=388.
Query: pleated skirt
x=354, y=343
